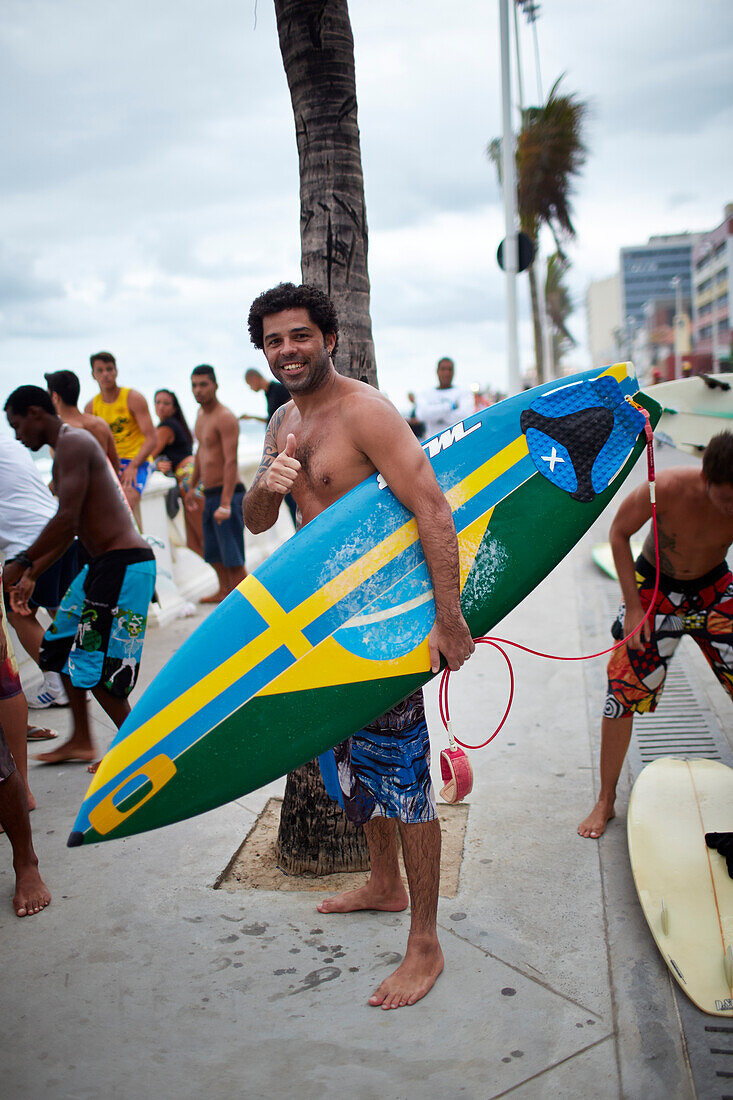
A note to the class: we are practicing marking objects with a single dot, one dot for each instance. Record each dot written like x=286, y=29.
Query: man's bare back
x=88, y=490
x=99, y=428
x=694, y=534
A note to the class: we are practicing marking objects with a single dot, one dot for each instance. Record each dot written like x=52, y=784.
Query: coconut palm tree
x=550, y=154
x=317, y=49
x=559, y=306
x=318, y=54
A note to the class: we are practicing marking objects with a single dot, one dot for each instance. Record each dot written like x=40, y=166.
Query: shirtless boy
x=64, y=387
x=215, y=466
x=335, y=433
x=695, y=523
x=127, y=413
x=97, y=636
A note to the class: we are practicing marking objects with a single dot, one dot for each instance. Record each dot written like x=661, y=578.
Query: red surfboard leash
x=453, y=763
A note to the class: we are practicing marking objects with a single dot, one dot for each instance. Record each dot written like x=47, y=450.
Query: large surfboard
x=683, y=886
x=332, y=629
x=694, y=410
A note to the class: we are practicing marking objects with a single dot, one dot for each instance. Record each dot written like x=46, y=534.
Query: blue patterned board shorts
x=383, y=770
x=141, y=474
x=97, y=636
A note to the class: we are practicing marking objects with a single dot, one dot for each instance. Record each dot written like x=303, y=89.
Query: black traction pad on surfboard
x=580, y=436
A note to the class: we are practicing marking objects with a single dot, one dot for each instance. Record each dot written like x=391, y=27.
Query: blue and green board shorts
x=141, y=474
x=383, y=770
x=97, y=636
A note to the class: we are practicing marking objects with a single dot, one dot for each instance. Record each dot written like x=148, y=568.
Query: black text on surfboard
x=440, y=443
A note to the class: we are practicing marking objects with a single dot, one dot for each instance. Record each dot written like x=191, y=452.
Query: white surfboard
x=693, y=410
x=683, y=886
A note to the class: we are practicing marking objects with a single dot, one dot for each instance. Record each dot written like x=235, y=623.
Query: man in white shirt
x=26, y=506
x=438, y=408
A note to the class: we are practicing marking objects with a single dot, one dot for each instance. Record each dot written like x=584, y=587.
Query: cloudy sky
x=149, y=177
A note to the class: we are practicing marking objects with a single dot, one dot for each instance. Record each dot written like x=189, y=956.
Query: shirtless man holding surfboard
x=335, y=433
x=695, y=523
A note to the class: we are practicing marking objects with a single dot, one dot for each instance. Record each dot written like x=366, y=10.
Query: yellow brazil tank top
x=125, y=428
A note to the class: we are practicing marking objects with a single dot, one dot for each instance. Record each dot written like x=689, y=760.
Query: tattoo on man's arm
x=269, y=450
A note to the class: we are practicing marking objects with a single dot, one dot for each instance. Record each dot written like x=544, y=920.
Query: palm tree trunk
x=315, y=836
x=539, y=351
x=318, y=54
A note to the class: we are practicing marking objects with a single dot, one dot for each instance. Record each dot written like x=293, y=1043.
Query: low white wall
x=183, y=577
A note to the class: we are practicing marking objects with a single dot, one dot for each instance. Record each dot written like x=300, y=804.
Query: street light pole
x=676, y=282
x=511, y=258
x=711, y=251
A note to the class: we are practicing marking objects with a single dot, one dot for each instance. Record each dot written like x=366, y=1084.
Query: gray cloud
x=149, y=186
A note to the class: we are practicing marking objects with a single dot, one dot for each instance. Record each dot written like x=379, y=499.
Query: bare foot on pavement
x=31, y=893
x=365, y=897
x=414, y=977
x=66, y=754
x=596, y=821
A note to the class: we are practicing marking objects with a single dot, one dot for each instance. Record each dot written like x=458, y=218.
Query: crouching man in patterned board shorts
x=695, y=597
x=335, y=433
x=96, y=640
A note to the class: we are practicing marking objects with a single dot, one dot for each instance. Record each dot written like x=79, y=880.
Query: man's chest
x=330, y=465
x=208, y=435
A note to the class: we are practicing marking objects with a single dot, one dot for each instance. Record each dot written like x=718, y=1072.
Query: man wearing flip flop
x=695, y=525
x=96, y=639
x=335, y=433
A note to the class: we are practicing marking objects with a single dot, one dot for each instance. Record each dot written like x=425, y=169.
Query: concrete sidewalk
x=140, y=979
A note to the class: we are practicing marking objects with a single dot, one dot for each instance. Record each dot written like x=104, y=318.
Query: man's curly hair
x=717, y=460
x=321, y=309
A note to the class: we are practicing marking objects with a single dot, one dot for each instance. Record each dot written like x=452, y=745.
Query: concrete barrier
x=184, y=577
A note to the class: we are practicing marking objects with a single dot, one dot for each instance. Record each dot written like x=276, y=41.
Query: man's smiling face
x=298, y=353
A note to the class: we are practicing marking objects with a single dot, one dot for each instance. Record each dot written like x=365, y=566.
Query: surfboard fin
x=728, y=966
x=665, y=918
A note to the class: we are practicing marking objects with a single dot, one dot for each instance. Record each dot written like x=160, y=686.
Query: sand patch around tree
x=254, y=864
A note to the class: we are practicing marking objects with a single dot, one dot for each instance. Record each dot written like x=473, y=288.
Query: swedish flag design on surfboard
x=332, y=629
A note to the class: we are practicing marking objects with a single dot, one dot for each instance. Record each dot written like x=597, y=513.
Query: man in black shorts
x=215, y=466
x=96, y=640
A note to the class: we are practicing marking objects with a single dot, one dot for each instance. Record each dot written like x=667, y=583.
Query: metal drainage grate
x=681, y=726
x=710, y=1050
